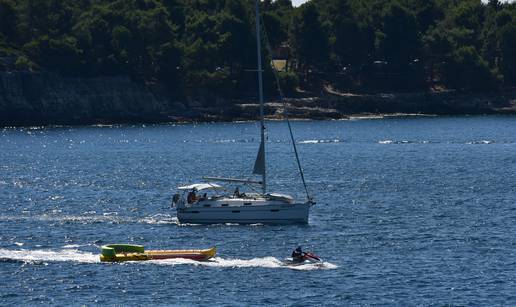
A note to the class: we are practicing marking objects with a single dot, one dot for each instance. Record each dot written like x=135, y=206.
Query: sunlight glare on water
x=410, y=211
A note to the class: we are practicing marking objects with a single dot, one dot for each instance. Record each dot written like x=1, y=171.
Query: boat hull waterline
x=128, y=252
x=264, y=214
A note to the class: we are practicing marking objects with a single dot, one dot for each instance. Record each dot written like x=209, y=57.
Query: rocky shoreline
x=35, y=99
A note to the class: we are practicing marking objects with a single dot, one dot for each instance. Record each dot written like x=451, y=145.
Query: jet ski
x=305, y=258
x=310, y=257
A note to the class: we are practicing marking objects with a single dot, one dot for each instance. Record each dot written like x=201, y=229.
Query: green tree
x=8, y=19
x=508, y=52
x=467, y=20
x=276, y=17
x=55, y=54
x=429, y=13
x=276, y=33
x=437, y=46
x=401, y=41
x=308, y=40
x=467, y=70
x=191, y=44
x=351, y=40
x=218, y=47
x=23, y=63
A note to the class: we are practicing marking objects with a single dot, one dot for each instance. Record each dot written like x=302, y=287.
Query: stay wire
x=285, y=109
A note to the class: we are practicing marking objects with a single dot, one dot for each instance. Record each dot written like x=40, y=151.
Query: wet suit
x=297, y=254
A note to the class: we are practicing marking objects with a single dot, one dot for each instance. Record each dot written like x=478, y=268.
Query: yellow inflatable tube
x=128, y=252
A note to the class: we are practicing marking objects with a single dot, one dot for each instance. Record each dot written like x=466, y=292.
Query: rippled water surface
x=410, y=211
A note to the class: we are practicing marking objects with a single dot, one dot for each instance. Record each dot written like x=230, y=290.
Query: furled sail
x=259, y=164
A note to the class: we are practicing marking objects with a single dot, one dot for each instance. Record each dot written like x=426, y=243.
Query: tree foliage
x=209, y=45
x=308, y=40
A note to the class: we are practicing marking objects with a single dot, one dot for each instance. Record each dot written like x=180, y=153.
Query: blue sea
x=410, y=211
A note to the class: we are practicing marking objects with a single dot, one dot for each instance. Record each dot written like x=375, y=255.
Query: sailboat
x=264, y=207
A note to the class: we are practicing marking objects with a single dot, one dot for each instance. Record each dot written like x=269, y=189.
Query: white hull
x=264, y=214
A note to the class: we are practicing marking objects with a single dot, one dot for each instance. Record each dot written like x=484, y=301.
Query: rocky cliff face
x=439, y=103
x=44, y=98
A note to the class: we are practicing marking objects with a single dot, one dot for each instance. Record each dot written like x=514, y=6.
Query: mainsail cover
x=259, y=164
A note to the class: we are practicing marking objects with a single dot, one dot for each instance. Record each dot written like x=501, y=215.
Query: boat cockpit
x=211, y=194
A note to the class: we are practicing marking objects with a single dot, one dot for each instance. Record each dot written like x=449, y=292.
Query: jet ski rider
x=298, y=254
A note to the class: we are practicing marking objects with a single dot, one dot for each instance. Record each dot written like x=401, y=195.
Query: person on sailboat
x=237, y=192
x=191, y=198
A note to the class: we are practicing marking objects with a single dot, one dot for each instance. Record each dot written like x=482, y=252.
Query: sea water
x=410, y=211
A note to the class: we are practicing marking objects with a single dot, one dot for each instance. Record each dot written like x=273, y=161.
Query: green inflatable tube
x=110, y=250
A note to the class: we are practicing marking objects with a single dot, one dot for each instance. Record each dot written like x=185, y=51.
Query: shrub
x=289, y=81
x=23, y=63
x=466, y=69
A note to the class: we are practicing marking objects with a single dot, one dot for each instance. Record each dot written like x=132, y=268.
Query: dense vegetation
x=195, y=46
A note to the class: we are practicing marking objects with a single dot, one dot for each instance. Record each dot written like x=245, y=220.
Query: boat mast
x=260, y=90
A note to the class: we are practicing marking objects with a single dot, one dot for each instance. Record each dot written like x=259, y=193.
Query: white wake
x=265, y=262
x=44, y=255
x=71, y=254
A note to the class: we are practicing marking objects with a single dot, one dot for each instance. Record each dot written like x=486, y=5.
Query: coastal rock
x=28, y=98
